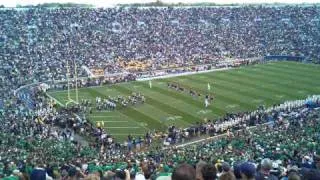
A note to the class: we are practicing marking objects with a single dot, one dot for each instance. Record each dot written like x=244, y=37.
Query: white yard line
x=124, y=127
x=112, y=121
x=56, y=100
x=133, y=121
x=101, y=116
x=125, y=134
x=74, y=101
x=102, y=111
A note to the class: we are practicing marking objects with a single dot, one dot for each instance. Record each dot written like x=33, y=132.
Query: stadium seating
x=37, y=142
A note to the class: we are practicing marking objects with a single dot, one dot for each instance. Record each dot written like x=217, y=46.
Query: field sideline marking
x=123, y=134
x=102, y=111
x=66, y=91
x=257, y=101
x=102, y=116
x=124, y=127
x=152, y=78
x=90, y=87
x=56, y=100
x=135, y=122
x=111, y=121
x=115, y=121
x=183, y=74
x=231, y=106
x=210, y=138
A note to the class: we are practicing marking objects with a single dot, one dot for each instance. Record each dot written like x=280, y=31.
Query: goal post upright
x=76, y=77
x=68, y=80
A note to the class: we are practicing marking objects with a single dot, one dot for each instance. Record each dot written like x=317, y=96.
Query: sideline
x=184, y=74
x=151, y=78
x=286, y=104
x=210, y=138
x=56, y=100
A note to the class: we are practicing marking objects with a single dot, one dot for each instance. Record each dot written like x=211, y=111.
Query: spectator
x=248, y=171
x=293, y=176
x=209, y=172
x=184, y=172
x=199, y=167
x=264, y=173
x=227, y=176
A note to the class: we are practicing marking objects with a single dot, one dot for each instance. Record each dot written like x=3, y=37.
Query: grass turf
x=235, y=90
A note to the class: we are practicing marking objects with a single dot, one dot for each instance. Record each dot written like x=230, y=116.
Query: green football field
x=235, y=90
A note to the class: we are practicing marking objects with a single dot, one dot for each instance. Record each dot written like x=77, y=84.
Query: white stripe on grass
x=279, y=96
x=124, y=127
x=102, y=116
x=106, y=121
x=301, y=92
x=90, y=87
x=56, y=100
x=125, y=134
x=136, y=86
x=144, y=126
x=231, y=106
x=104, y=111
x=257, y=101
x=71, y=92
x=72, y=101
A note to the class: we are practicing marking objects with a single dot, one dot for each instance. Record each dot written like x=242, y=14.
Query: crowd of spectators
x=37, y=42
x=41, y=142
x=284, y=141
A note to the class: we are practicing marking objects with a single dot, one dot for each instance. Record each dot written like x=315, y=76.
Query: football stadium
x=234, y=91
x=160, y=91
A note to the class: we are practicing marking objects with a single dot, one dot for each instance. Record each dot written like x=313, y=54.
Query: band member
x=206, y=102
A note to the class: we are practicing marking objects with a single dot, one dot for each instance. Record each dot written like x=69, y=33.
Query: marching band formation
x=111, y=103
x=208, y=98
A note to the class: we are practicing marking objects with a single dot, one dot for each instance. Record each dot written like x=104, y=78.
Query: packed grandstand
x=41, y=140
